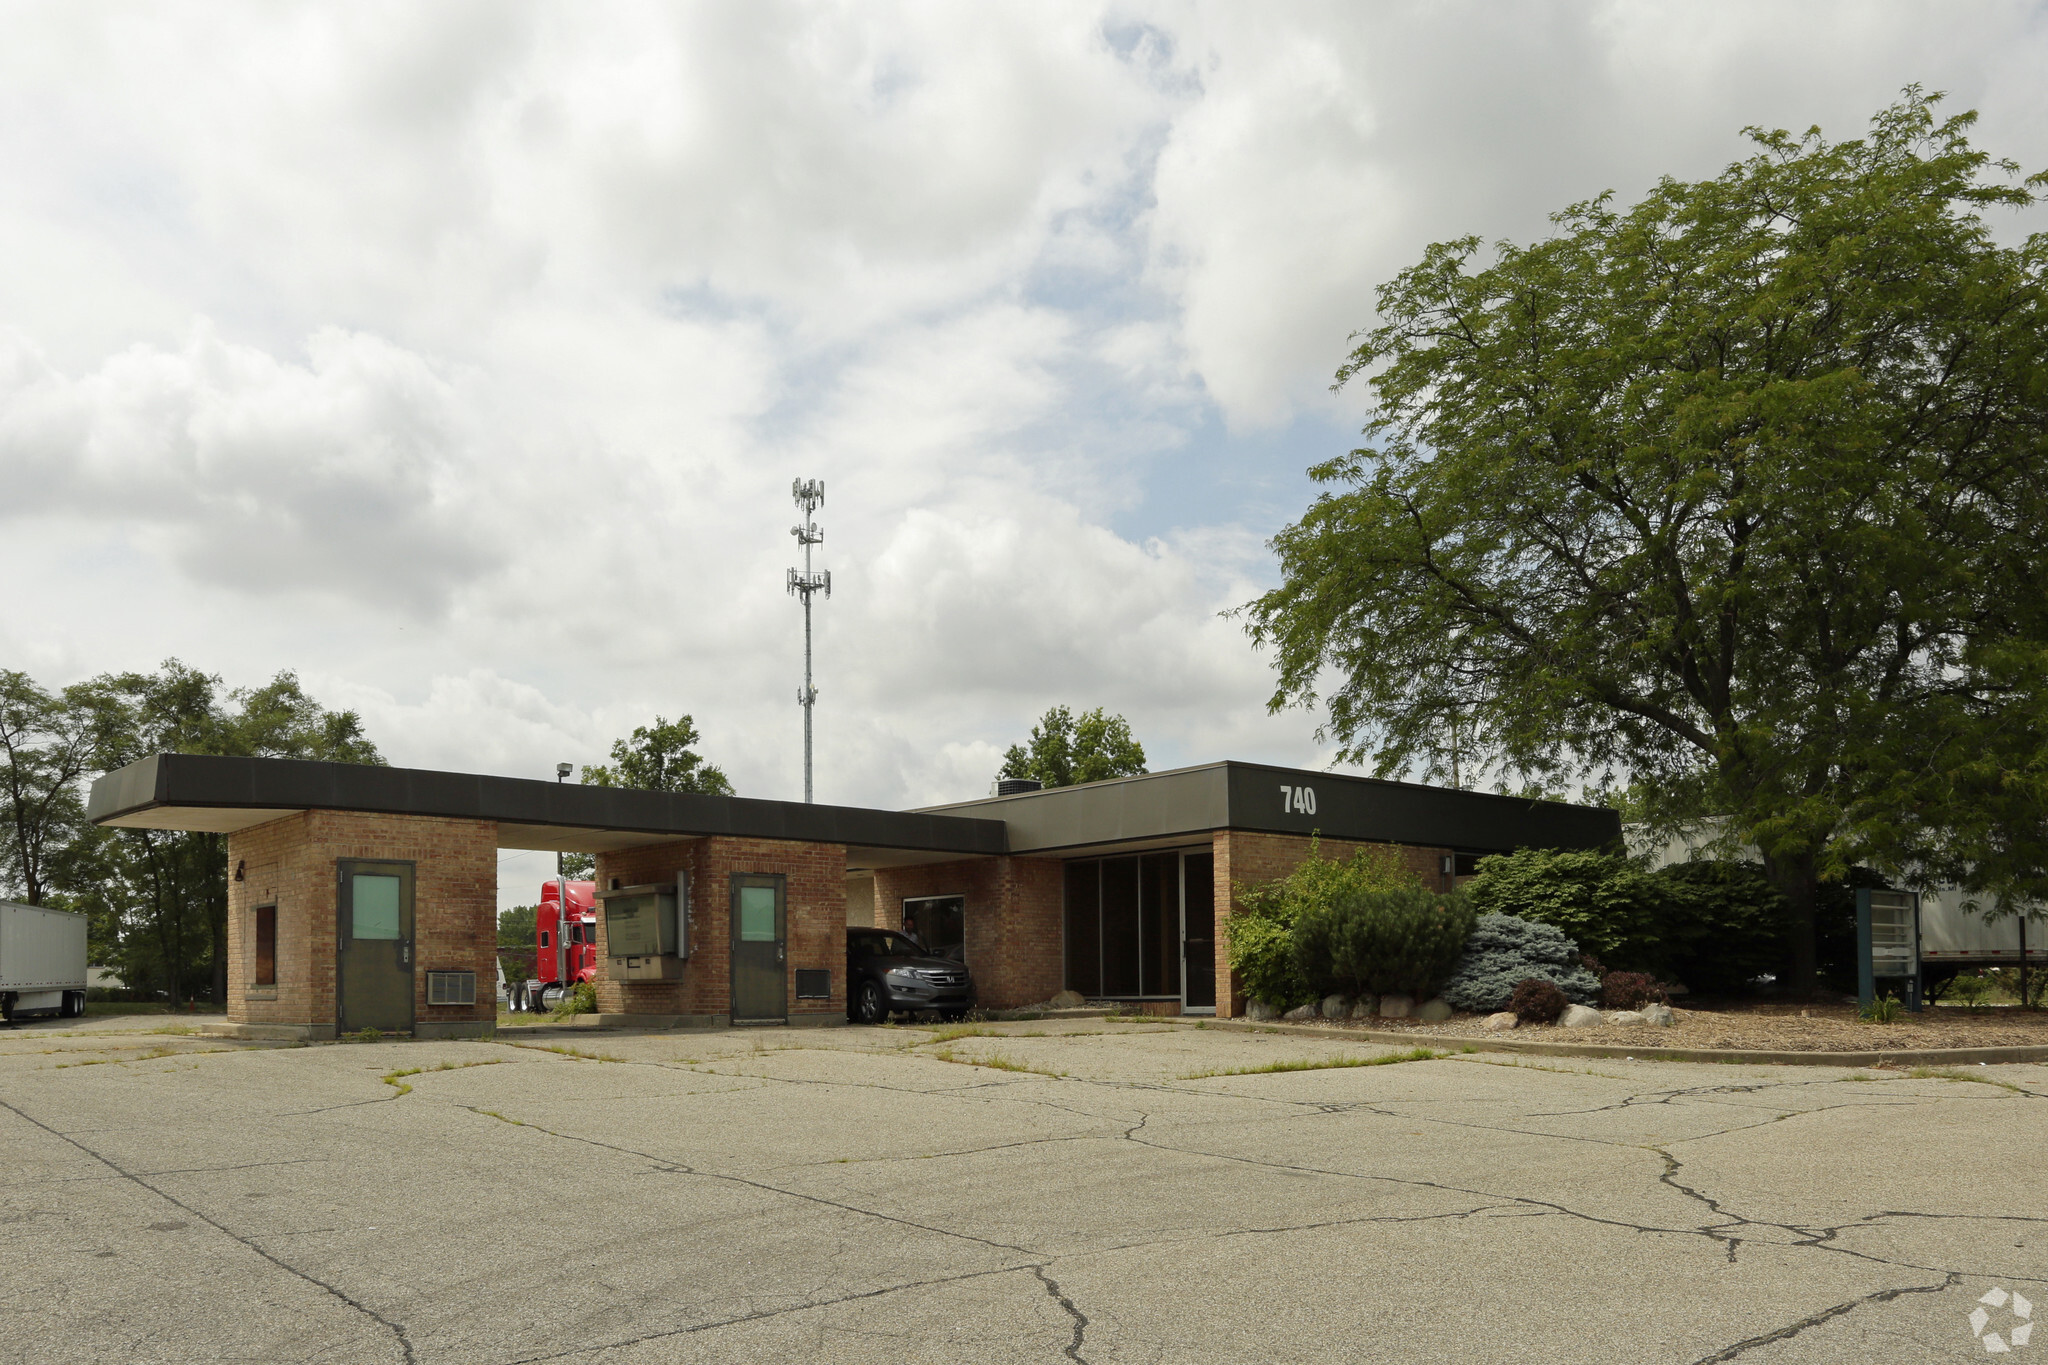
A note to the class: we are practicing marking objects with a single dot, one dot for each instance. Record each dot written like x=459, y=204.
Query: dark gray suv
x=887, y=973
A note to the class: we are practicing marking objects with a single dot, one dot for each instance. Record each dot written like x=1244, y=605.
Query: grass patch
x=1420, y=1054
x=1950, y=1073
x=953, y=1032
x=563, y=1050
x=995, y=1061
x=392, y=1077
x=152, y=1055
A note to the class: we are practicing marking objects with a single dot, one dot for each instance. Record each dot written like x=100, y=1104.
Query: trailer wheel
x=74, y=1005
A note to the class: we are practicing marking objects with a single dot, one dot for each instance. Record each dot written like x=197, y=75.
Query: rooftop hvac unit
x=1016, y=786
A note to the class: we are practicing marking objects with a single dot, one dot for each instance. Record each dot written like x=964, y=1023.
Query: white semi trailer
x=1953, y=937
x=42, y=962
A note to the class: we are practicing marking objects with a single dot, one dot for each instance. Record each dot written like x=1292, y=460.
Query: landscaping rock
x=1626, y=1017
x=1300, y=1014
x=1434, y=1011
x=1336, y=1007
x=1365, y=1006
x=1259, y=1009
x=1067, y=1000
x=1582, y=1016
x=1396, y=1007
x=1660, y=1015
x=1499, y=1023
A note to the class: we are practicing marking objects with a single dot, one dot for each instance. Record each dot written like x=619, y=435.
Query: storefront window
x=1123, y=926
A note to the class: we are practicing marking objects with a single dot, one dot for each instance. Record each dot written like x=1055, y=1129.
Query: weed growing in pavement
x=1949, y=1073
x=392, y=1077
x=367, y=1035
x=1420, y=1054
x=563, y=1050
x=149, y=1056
x=995, y=1061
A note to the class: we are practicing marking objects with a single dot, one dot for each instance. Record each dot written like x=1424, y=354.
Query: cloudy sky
x=460, y=355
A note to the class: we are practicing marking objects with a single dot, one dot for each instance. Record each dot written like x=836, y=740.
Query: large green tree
x=660, y=758
x=48, y=743
x=158, y=898
x=1734, y=497
x=1066, y=749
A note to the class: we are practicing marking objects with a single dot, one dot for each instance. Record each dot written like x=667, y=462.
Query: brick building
x=364, y=897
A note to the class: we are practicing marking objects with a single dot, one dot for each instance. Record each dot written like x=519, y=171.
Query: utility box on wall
x=647, y=930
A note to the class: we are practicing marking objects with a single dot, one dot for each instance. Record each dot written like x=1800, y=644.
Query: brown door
x=760, y=949
x=373, y=946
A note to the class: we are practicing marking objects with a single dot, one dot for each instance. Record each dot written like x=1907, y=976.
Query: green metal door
x=373, y=946
x=760, y=922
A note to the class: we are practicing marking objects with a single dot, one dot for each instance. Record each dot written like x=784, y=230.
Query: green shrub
x=1969, y=990
x=1537, y=1001
x=1723, y=924
x=1885, y=1011
x=1388, y=939
x=1605, y=903
x=1502, y=951
x=1631, y=991
x=580, y=998
x=1261, y=931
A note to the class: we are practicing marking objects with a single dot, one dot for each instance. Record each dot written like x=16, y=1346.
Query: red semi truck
x=565, y=952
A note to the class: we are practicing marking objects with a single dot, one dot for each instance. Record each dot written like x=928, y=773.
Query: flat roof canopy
x=1156, y=809
x=221, y=795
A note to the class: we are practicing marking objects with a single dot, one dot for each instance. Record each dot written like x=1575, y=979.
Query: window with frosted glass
x=757, y=914
x=374, y=899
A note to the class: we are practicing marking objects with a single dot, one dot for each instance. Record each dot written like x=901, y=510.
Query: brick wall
x=290, y=862
x=1011, y=921
x=815, y=901
x=1244, y=858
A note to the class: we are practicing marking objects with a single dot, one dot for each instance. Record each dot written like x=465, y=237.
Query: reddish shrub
x=1631, y=990
x=1537, y=1001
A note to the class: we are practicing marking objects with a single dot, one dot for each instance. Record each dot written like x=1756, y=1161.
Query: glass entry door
x=1143, y=928
x=1198, y=933
x=373, y=946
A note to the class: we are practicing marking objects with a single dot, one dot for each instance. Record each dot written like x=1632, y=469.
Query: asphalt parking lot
x=888, y=1195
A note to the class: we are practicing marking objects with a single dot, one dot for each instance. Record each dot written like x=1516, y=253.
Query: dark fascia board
x=1265, y=798
x=209, y=782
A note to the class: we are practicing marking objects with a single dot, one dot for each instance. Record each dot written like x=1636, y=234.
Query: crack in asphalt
x=1950, y=1279
x=397, y=1330
x=670, y=1166
x=765, y=1314
x=1080, y=1319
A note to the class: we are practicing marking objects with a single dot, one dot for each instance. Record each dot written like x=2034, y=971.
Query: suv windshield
x=883, y=944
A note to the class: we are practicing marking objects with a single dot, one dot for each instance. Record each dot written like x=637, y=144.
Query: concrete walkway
x=1080, y=1191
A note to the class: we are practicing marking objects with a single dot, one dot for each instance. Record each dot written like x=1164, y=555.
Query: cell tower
x=810, y=496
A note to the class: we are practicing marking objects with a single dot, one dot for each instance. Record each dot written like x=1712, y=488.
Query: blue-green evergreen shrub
x=1503, y=951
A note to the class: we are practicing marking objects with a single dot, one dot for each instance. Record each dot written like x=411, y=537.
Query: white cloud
x=517, y=319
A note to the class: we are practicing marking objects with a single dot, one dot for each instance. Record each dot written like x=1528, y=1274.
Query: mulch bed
x=1777, y=1027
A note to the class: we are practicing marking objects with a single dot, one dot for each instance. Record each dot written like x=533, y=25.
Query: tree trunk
x=1794, y=876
